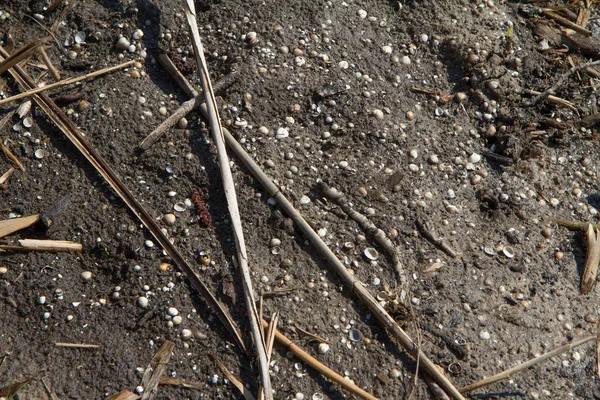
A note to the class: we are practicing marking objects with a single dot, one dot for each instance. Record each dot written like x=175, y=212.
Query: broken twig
x=66, y=82
x=574, y=225
x=434, y=239
x=12, y=225
x=372, y=231
x=566, y=23
x=12, y=157
x=24, y=52
x=155, y=369
x=591, y=261
x=77, y=345
x=534, y=361
x=235, y=381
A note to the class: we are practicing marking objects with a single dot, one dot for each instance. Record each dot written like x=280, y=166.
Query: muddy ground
x=324, y=92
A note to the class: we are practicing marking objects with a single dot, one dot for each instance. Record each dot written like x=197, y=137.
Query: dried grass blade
x=156, y=368
x=6, y=175
x=49, y=245
x=73, y=134
x=229, y=187
x=9, y=226
x=12, y=389
x=12, y=157
x=235, y=381
x=165, y=380
x=66, y=82
x=591, y=261
x=511, y=371
x=21, y=54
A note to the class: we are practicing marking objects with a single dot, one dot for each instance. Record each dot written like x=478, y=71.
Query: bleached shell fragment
x=24, y=108
x=282, y=133
x=508, y=252
x=79, y=37
x=39, y=154
x=371, y=253
x=323, y=348
x=27, y=122
x=179, y=207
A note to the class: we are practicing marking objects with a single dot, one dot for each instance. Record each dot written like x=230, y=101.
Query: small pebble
x=547, y=233
x=410, y=115
x=177, y=320
x=169, y=219
x=182, y=123
x=559, y=255
x=3, y=270
x=149, y=244
x=86, y=275
x=122, y=44
x=386, y=49
x=362, y=14
x=186, y=334
x=474, y=158
x=590, y=319
x=139, y=389
x=172, y=311
x=405, y=60
x=142, y=302
x=41, y=300
x=378, y=114
x=484, y=335
x=395, y=373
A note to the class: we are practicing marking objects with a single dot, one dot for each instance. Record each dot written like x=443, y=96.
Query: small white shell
x=39, y=154
x=27, y=122
x=24, y=108
x=323, y=348
x=179, y=207
x=490, y=251
x=79, y=37
x=371, y=253
x=508, y=252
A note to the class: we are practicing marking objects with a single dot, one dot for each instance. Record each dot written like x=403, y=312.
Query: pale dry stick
x=598, y=348
x=270, y=339
x=24, y=52
x=155, y=369
x=6, y=175
x=77, y=345
x=52, y=395
x=574, y=225
x=591, y=261
x=235, y=381
x=66, y=82
x=351, y=282
x=46, y=59
x=434, y=239
x=77, y=138
x=185, y=108
x=12, y=225
x=566, y=23
x=7, y=118
x=165, y=380
x=372, y=231
x=229, y=188
x=437, y=391
x=534, y=361
x=49, y=245
x=12, y=157
x=548, y=92
x=320, y=367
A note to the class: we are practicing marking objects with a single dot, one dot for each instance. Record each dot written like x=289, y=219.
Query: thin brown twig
x=46, y=59
x=548, y=92
x=66, y=82
x=155, y=369
x=566, y=23
x=76, y=137
x=6, y=175
x=592, y=259
x=534, y=361
x=24, y=52
x=12, y=157
x=573, y=225
x=77, y=345
x=235, y=381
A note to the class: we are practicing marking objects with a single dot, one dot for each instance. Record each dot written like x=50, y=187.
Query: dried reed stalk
x=53, y=71
x=12, y=157
x=235, y=381
x=103, y=168
x=591, y=261
x=77, y=345
x=66, y=82
x=43, y=245
x=566, y=23
x=229, y=188
x=6, y=175
x=12, y=225
x=24, y=52
x=511, y=371
x=320, y=367
x=156, y=368
x=349, y=280
x=165, y=380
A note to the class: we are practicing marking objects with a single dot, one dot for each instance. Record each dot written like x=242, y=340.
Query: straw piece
x=21, y=54
x=77, y=345
x=165, y=380
x=53, y=71
x=566, y=23
x=591, y=261
x=156, y=368
x=66, y=82
x=505, y=374
x=230, y=194
x=78, y=139
x=12, y=157
x=12, y=225
x=50, y=245
x=235, y=381
x=320, y=367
